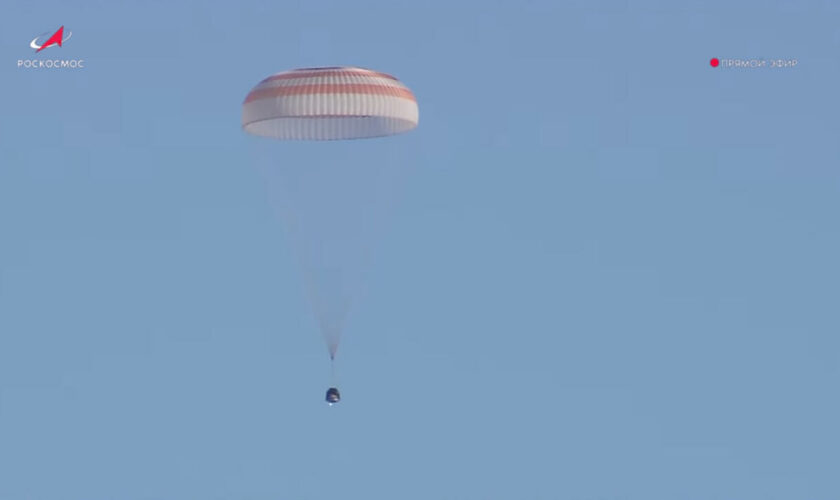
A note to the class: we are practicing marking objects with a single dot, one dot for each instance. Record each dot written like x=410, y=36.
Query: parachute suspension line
x=333, y=381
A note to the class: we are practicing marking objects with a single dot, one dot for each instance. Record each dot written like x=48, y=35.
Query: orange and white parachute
x=329, y=104
x=334, y=196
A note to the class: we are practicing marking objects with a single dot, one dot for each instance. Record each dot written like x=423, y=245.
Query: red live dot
x=714, y=62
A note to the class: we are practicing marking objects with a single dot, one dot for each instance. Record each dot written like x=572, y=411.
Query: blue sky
x=612, y=272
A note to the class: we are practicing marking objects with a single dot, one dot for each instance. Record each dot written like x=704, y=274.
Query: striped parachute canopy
x=329, y=104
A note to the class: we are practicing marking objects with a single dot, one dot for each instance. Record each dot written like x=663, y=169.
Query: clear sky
x=612, y=274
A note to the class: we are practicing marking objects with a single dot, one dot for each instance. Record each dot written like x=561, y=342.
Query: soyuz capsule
x=333, y=396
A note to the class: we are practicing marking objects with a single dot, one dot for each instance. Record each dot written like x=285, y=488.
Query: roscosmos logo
x=45, y=41
x=39, y=43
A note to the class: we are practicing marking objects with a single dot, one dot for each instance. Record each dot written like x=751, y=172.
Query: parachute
x=329, y=104
x=332, y=200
